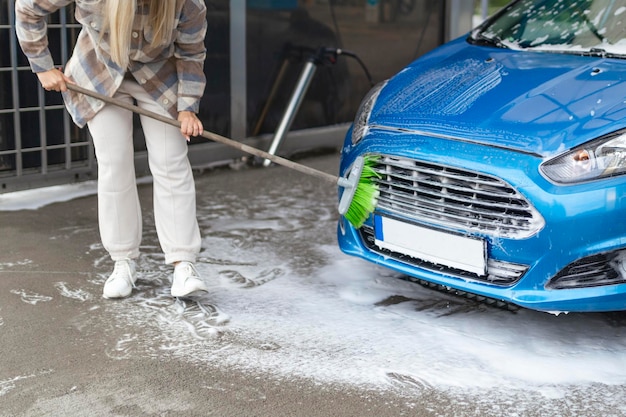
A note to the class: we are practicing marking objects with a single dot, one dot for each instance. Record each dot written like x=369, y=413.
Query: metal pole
x=292, y=108
x=17, y=128
x=238, y=75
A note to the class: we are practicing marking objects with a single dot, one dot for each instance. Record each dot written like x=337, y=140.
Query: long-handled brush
x=360, y=192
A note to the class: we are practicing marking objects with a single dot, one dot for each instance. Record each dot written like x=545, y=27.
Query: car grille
x=499, y=273
x=454, y=198
x=592, y=271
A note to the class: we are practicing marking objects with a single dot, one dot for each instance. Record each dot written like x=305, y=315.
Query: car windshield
x=594, y=27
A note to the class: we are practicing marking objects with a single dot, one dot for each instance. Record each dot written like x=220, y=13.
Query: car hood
x=536, y=102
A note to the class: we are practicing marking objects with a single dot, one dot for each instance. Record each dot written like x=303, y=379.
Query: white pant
x=119, y=213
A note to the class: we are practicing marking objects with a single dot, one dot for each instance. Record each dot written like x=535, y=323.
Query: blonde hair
x=119, y=16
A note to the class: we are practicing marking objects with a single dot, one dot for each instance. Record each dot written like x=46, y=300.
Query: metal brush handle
x=210, y=135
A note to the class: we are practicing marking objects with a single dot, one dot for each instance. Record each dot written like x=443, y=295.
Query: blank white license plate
x=455, y=251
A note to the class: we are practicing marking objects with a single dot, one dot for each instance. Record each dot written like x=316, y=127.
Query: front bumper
x=583, y=231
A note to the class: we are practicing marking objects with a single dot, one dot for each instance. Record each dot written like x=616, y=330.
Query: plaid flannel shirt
x=172, y=73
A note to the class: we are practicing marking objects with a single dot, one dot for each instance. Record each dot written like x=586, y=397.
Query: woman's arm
x=190, y=54
x=32, y=31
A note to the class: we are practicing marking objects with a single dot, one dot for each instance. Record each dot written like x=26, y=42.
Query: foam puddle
x=284, y=301
x=352, y=324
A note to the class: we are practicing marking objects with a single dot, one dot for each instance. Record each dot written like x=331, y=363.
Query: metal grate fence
x=39, y=144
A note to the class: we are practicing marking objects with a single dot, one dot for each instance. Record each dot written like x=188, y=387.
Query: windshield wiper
x=600, y=53
x=482, y=40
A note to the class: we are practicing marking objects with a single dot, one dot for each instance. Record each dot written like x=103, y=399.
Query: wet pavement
x=290, y=326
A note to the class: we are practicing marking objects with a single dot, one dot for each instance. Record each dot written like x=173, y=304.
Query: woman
x=150, y=51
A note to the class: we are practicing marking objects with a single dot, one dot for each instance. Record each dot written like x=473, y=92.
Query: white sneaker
x=186, y=280
x=122, y=280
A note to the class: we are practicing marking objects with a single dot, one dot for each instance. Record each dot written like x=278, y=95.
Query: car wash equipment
x=316, y=58
x=360, y=192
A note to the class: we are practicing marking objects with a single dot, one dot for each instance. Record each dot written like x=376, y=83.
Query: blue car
x=502, y=158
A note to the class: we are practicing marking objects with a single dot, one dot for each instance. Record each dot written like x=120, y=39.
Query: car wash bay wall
x=256, y=51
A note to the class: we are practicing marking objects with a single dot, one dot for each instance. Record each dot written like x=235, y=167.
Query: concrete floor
x=67, y=351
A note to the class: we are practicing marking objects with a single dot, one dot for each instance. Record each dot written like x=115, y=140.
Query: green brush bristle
x=366, y=194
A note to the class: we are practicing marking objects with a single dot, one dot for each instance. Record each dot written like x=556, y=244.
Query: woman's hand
x=190, y=125
x=54, y=80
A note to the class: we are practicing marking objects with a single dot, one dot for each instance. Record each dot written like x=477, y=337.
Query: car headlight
x=600, y=158
x=361, y=120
